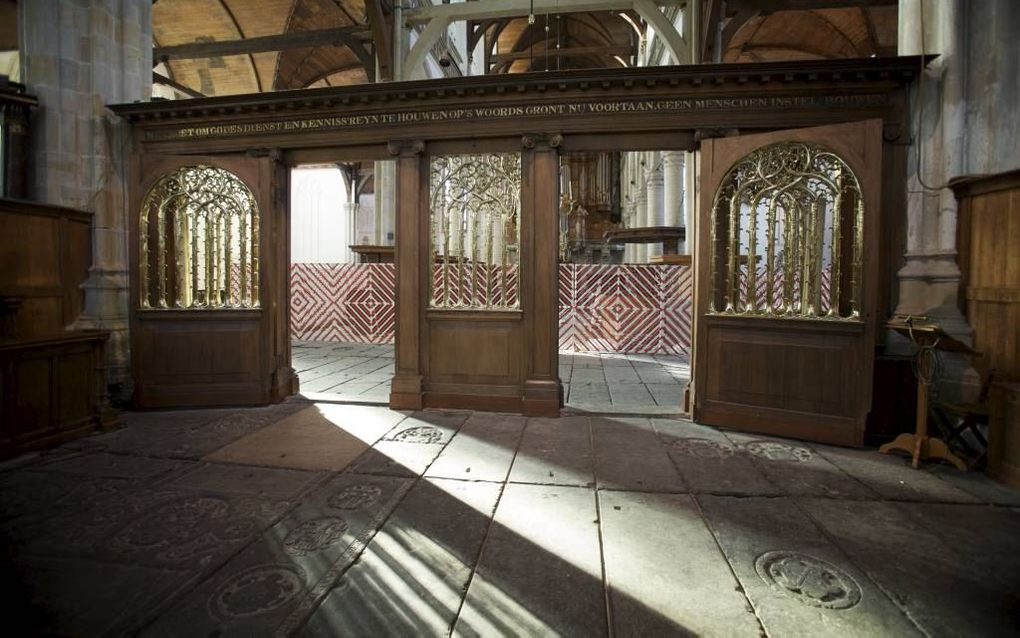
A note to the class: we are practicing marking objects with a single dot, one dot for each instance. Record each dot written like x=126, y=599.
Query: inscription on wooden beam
x=680, y=105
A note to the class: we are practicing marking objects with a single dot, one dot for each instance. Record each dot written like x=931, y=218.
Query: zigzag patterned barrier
x=354, y=303
x=627, y=308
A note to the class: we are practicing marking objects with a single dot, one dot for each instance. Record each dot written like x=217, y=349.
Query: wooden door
x=786, y=281
x=209, y=296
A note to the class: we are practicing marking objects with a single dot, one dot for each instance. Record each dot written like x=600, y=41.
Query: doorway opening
x=342, y=298
x=626, y=280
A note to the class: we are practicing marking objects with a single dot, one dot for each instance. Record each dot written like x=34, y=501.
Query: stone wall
x=78, y=56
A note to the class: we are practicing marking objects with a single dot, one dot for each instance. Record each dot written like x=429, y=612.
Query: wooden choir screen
x=209, y=253
x=476, y=256
x=786, y=281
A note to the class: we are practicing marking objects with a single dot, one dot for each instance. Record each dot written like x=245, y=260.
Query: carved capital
x=405, y=148
x=541, y=141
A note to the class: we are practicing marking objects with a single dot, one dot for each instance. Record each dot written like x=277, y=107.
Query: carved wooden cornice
x=533, y=87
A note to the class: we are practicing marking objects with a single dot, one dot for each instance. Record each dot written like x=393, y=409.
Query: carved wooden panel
x=51, y=389
x=45, y=254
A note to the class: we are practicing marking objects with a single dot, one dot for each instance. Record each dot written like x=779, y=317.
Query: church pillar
x=77, y=57
x=689, y=200
x=349, y=210
x=930, y=278
x=673, y=199
x=653, y=214
x=640, y=220
x=385, y=202
x=956, y=130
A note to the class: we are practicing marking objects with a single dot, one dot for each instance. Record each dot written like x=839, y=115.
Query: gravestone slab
x=665, y=572
x=555, y=452
x=414, y=573
x=540, y=571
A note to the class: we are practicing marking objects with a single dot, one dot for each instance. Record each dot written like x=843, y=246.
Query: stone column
x=77, y=57
x=640, y=219
x=350, y=212
x=385, y=202
x=930, y=277
x=673, y=178
x=689, y=200
x=957, y=129
x=628, y=222
x=655, y=199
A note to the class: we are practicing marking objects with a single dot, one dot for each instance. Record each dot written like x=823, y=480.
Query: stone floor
x=328, y=519
x=592, y=382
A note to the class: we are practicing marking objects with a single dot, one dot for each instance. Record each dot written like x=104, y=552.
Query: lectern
x=929, y=338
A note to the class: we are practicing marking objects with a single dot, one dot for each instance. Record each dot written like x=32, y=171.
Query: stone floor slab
x=630, y=394
x=892, y=477
x=398, y=458
x=796, y=469
x=555, y=452
x=48, y=596
x=311, y=439
x=540, y=571
x=665, y=572
x=946, y=588
x=483, y=449
x=277, y=582
x=414, y=574
x=588, y=393
x=105, y=465
x=629, y=456
x=709, y=462
x=234, y=479
x=799, y=583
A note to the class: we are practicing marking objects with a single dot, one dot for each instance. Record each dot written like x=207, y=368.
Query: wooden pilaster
x=543, y=393
x=411, y=260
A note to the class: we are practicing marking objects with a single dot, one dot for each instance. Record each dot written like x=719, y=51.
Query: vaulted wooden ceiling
x=752, y=30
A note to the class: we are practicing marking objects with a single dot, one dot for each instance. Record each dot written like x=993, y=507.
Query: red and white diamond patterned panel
x=627, y=308
x=343, y=302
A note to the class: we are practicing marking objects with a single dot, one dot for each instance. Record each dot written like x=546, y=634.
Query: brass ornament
x=475, y=208
x=788, y=218
x=204, y=253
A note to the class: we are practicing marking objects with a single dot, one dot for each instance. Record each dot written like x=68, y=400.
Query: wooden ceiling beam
x=352, y=37
x=381, y=36
x=159, y=78
x=485, y=9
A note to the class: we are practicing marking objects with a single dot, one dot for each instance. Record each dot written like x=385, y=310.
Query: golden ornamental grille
x=199, y=241
x=475, y=224
x=787, y=236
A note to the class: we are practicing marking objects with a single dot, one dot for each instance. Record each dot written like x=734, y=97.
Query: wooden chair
x=953, y=419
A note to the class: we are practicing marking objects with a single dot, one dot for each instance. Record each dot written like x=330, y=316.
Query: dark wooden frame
x=658, y=108
x=164, y=370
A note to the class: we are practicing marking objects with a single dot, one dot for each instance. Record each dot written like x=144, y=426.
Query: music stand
x=928, y=337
